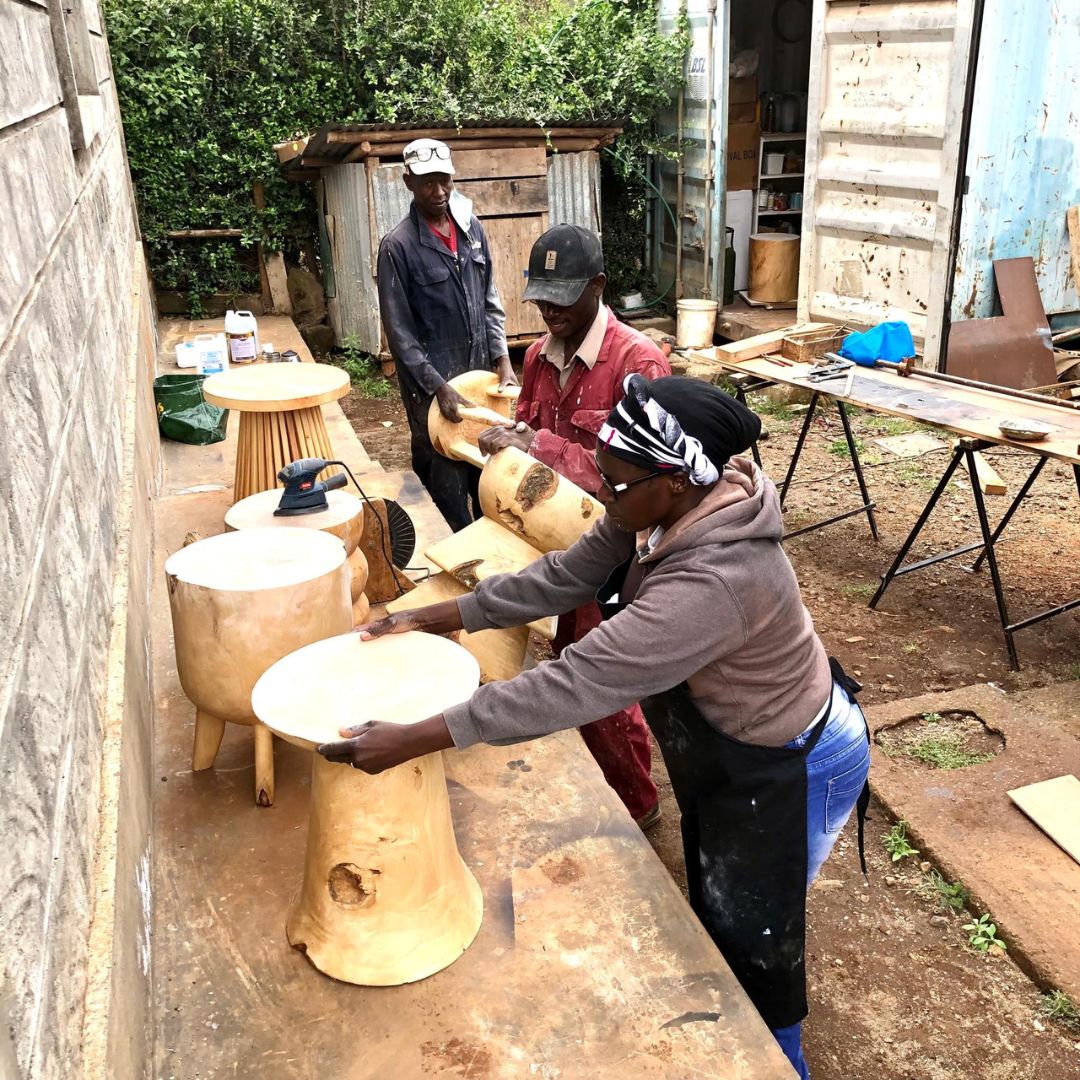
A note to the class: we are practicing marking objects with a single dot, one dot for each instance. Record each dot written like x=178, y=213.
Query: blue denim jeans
x=836, y=770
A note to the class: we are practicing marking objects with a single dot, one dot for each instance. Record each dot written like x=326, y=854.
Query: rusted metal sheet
x=1023, y=161
x=574, y=189
x=884, y=121
x=354, y=310
x=1013, y=349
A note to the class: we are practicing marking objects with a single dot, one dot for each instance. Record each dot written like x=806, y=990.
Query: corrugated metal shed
x=362, y=202
x=1023, y=162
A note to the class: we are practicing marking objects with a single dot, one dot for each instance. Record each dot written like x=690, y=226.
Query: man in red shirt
x=573, y=378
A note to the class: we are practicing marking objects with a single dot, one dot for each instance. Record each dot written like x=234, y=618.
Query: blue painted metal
x=1023, y=163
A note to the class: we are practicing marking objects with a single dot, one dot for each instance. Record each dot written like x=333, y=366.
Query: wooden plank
x=987, y=477
x=511, y=239
x=1072, y=216
x=961, y=410
x=1054, y=805
x=483, y=164
x=277, y=278
x=751, y=347
x=497, y=198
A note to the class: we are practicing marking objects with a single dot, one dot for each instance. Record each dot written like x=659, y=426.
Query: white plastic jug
x=242, y=333
x=213, y=354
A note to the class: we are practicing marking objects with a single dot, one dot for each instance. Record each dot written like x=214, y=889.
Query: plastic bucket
x=695, y=323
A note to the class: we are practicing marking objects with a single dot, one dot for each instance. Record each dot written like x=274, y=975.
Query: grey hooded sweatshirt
x=718, y=607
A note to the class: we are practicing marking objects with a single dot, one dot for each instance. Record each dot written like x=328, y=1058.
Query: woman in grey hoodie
x=704, y=625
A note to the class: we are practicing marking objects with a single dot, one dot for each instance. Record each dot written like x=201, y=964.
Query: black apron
x=743, y=813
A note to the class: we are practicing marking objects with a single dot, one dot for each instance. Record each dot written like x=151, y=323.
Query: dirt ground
x=895, y=992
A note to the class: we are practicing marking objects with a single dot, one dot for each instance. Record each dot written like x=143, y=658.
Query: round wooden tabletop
x=257, y=512
x=256, y=559
x=276, y=387
x=307, y=696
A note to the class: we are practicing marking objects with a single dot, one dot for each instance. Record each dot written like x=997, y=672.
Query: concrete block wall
x=77, y=467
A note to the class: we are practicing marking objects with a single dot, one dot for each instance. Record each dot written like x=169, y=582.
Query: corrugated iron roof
x=333, y=144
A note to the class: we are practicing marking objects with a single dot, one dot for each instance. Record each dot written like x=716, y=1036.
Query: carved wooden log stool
x=386, y=897
x=343, y=518
x=240, y=602
x=491, y=407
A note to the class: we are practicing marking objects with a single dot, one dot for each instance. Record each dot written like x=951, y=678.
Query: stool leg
x=264, y=765
x=208, y=732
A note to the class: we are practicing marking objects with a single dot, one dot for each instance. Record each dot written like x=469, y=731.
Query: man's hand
x=498, y=438
x=505, y=371
x=441, y=618
x=450, y=401
x=377, y=745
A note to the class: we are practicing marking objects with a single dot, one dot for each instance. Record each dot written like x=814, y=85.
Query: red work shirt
x=567, y=419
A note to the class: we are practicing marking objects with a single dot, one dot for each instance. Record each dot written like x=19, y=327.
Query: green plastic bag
x=184, y=414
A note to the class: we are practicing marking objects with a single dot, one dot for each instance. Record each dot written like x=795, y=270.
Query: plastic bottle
x=213, y=354
x=241, y=331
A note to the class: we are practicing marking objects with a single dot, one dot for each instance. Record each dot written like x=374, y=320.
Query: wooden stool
x=280, y=418
x=240, y=602
x=343, y=518
x=386, y=897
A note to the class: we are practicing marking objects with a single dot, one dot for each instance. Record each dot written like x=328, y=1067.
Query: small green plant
x=1073, y=671
x=950, y=895
x=896, y=842
x=858, y=589
x=910, y=647
x=894, y=425
x=1058, y=1006
x=361, y=369
x=839, y=447
x=932, y=717
x=982, y=935
x=764, y=405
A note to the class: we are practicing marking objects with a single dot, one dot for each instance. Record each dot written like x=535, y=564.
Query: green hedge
x=207, y=86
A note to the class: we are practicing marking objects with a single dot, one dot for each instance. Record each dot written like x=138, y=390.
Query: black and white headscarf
x=677, y=423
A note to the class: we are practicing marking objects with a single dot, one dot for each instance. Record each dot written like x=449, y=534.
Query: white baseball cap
x=428, y=156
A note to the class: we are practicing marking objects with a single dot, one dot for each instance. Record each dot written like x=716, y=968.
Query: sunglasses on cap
x=426, y=153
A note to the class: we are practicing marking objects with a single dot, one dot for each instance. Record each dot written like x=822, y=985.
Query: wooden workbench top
x=961, y=410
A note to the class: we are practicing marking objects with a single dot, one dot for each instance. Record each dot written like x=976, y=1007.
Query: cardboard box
x=742, y=156
x=742, y=91
x=742, y=112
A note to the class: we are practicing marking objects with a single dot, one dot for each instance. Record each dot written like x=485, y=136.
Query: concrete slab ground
x=963, y=821
x=589, y=962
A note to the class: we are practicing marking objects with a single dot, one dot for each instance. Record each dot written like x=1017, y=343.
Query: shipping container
x=939, y=135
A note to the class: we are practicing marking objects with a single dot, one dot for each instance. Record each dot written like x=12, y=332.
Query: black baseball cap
x=562, y=262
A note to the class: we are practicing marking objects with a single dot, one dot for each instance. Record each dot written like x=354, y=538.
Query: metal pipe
x=710, y=172
x=680, y=172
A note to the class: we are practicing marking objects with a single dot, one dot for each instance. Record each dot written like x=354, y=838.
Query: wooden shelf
x=781, y=176
x=776, y=213
x=783, y=136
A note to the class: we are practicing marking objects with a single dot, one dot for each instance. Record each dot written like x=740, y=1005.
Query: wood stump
x=491, y=407
x=240, y=602
x=386, y=898
x=774, y=267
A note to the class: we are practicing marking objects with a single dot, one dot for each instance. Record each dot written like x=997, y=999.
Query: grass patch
x=839, y=447
x=945, y=751
x=948, y=895
x=894, y=425
x=764, y=405
x=951, y=741
x=1058, y=1006
x=859, y=590
x=1073, y=671
x=910, y=647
